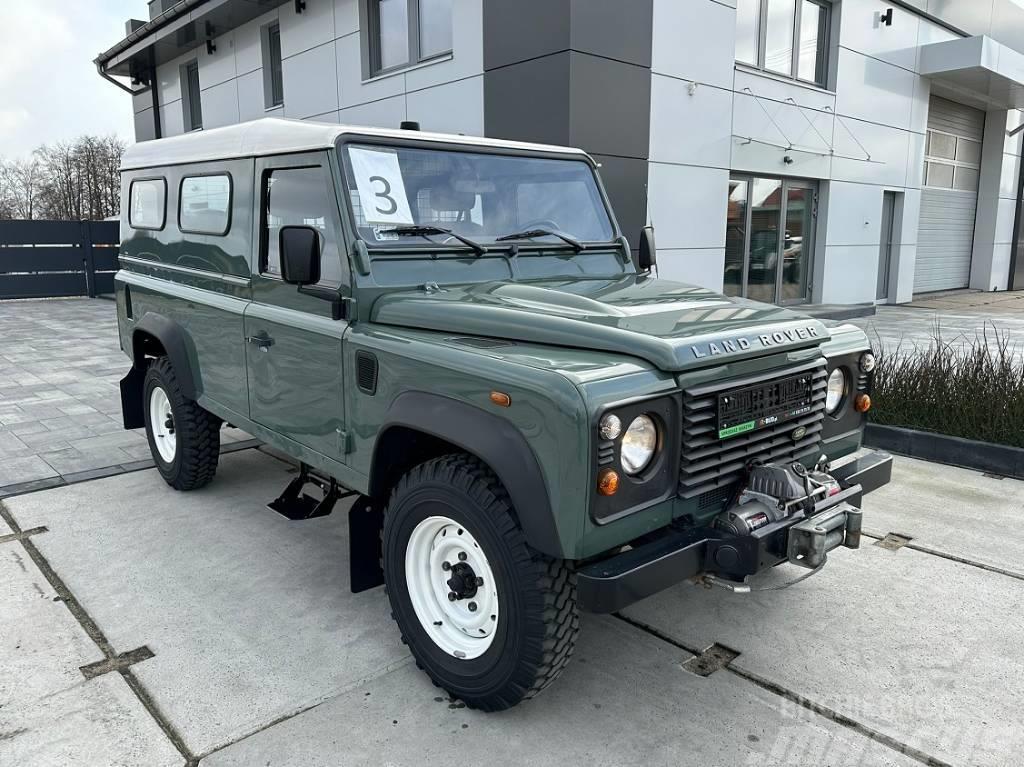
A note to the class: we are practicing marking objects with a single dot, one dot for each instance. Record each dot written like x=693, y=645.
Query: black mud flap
x=131, y=398
x=365, y=521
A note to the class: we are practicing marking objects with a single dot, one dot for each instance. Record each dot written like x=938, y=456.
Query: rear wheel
x=184, y=439
x=488, y=618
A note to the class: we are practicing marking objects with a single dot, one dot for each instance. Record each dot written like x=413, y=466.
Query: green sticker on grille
x=732, y=431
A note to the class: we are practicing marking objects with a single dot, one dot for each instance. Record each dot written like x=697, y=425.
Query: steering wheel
x=542, y=223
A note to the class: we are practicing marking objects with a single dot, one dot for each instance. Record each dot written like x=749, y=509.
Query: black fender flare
x=179, y=350
x=493, y=440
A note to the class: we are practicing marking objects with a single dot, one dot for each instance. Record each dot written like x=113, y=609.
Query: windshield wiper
x=425, y=231
x=529, y=234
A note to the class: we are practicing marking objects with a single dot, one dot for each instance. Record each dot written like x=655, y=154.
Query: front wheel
x=491, y=620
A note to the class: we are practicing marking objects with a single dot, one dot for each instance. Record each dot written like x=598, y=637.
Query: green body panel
x=564, y=335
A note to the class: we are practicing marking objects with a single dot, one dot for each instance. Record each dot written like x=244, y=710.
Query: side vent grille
x=366, y=372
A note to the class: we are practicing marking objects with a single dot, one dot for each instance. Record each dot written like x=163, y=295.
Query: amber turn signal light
x=500, y=399
x=607, y=482
x=862, y=404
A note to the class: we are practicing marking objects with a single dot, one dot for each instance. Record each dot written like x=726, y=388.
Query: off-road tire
x=197, y=431
x=538, y=619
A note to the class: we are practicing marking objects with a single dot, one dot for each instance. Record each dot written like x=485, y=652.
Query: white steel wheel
x=452, y=587
x=161, y=419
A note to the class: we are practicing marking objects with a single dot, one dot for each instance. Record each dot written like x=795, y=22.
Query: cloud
x=49, y=88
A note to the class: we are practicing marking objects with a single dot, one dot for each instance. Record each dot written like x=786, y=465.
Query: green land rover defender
x=454, y=331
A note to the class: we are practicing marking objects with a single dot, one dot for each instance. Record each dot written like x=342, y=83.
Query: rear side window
x=204, y=205
x=147, y=201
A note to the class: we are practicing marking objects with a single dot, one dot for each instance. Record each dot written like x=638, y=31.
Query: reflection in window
x=146, y=203
x=788, y=37
x=403, y=32
x=778, y=46
x=393, y=33
x=297, y=197
x=205, y=204
x=746, y=30
x=813, y=31
x=735, y=236
x=435, y=27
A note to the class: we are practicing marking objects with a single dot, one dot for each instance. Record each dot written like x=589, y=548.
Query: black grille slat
x=711, y=465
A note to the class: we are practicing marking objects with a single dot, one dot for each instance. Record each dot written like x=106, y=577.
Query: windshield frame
x=423, y=245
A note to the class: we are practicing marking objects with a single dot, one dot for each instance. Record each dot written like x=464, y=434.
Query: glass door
x=768, y=242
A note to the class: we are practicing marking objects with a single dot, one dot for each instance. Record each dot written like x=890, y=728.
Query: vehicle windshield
x=402, y=196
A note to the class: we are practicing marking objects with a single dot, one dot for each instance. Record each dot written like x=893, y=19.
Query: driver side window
x=297, y=197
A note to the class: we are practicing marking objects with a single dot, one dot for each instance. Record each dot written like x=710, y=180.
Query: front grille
x=709, y=463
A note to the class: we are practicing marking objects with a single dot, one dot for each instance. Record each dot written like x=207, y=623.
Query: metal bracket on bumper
x=617, y=581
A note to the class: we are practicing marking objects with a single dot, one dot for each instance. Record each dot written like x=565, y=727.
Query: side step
x=296, y=505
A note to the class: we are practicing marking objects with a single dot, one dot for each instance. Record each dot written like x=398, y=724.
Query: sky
x=49, y=88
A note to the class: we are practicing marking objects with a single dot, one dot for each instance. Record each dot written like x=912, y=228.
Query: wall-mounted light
x=211, y=46
x=787, y=159
x=885, y=19
x=300, y=6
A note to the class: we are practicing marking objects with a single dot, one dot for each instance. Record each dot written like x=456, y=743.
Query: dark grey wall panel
x=529, y=101
x=616, y=29
x=625, y=179
x=610, y=106
x=524, y=29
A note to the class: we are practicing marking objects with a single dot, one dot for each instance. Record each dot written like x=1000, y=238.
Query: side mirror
x=648, y=253
x=299, y=247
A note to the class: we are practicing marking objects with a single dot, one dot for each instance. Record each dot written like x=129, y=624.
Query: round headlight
x=836, y=391
x=867, y=362
x=639, y=444
x=610, y=427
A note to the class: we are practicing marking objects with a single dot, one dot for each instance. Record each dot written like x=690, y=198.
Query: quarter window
x=204, y=205
x=786, y=37
x=297, y=197
x=146, y=203
x=404, y=32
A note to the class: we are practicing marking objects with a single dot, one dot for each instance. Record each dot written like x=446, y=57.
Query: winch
x=790, y=511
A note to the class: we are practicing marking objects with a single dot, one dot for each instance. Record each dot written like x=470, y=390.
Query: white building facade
x=786, y=150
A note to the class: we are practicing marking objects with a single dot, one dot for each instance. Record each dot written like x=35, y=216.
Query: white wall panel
x=688, y=205
x=915, y=160
x=911, y=216
x=309, y=29
x=249, y=43
x=851, y=274
x=346, y=17
x=172, y=119
x=220, y=105
x=352, y=89
x=906, y=260
x=861, y=31
x=1004, y=218
x=456, y=107
x=704, y=267
x=706, y=53
x=169, y=78
x=1009, y=175
x=310, y=82
x=779, y=124
x=854, y=214
x=919, y=105
x=688, y=128
x=929, y=32
x=386, y=113
x=873, y=90
x=252, y=99
x=779, y=89
x=218, y=67
x=886, y=146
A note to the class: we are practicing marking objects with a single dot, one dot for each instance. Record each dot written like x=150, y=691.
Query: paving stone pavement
x=958, y=317
x=60, y=407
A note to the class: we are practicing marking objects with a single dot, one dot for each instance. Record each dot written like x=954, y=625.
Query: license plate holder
x=763, y=405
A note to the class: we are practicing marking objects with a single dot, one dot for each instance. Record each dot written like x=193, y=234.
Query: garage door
x=949, y=198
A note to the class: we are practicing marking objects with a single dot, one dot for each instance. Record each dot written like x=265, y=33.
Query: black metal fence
x=44, y=259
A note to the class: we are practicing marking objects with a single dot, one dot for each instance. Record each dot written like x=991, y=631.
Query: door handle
x=263, y=341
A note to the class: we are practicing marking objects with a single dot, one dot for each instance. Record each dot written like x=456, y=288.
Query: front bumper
x=613, y=583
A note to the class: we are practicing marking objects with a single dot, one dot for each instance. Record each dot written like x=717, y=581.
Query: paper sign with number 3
x=381, y=187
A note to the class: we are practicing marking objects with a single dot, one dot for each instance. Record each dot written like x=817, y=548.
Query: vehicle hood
x=670, y=324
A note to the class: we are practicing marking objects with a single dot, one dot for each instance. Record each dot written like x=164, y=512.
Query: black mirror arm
x=339, y=306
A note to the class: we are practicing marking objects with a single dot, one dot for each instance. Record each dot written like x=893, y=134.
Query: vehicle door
x=293, y=346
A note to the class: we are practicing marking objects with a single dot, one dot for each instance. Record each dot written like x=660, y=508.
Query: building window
x=786, y=37
x=204, y=205
x=273, y=82
x=147, y=203
x=191, y=100
x=769, y=238
x=405, y=32
x=951, y=162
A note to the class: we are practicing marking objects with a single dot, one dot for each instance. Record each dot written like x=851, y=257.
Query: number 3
x=386, y=194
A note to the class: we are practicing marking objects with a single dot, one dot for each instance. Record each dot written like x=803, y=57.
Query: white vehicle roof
x=274, y=135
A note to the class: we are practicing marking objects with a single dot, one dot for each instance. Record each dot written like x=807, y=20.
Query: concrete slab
x=624, y=700
x=250, y=616
x=922, y=649
x=953, y=510
x=49, y=713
